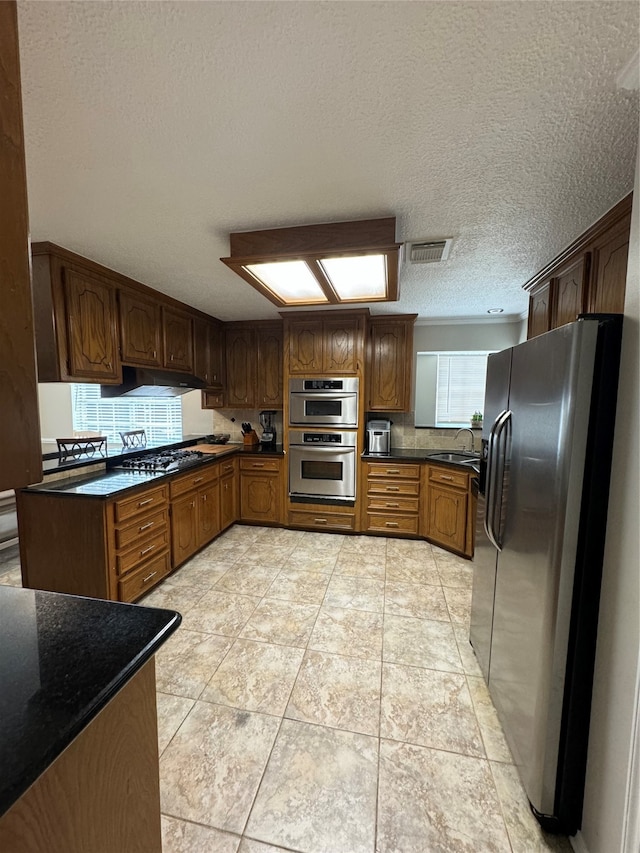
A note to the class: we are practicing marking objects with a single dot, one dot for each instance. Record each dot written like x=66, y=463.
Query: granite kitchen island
x=78, y=726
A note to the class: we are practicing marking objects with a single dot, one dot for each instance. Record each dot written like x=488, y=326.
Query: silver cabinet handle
x=445, y=477
x=146, y=550
x=320, y=520
x=391, y=524
x=198, y=480
x=144, y=503
x=148, y=577
x=392, y=489
x=146, y=526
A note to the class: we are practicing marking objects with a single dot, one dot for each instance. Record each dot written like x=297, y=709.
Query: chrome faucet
x=470, y=431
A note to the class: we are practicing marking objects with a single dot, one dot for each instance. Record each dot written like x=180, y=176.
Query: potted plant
x=476, y=420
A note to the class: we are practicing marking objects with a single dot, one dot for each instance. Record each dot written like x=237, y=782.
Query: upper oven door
x=323, y=408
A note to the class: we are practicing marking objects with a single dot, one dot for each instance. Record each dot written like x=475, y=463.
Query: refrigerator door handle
x=495, y=475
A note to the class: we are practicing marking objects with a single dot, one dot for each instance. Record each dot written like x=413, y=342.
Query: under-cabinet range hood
x=144, y=382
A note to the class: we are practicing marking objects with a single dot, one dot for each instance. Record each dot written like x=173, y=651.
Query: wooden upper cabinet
x=269, y=367
x=329, y=345
x=91, y=327
x=539, y=309
x=609, y=268
x=177, y=339
x=139, y=329
x=207, y=352
x=241, y=366
x=341, y=340
x=216, y=356
x=588, y=276
x=305, y=346
x=570, y=286
x=20, y=448
x=390, y=363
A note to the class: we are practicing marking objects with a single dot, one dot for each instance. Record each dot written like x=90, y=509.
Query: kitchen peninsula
x=78, y=729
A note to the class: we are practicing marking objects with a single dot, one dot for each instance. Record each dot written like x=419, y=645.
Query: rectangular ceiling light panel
x=291, y=281
x=357, y=279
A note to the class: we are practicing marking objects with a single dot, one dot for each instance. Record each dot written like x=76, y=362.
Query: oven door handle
x=317, y=449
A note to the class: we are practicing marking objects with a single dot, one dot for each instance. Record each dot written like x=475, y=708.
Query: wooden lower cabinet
x=393, y=498
x=228, y=493
x=449, y=509
x=195, y=512
x=103, y=792
x=315, y=517
x=261, y=490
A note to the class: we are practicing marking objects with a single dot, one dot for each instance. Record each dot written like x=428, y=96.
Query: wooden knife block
x=250, y=439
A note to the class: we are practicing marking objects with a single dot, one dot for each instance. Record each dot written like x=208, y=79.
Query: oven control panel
x=328, y=439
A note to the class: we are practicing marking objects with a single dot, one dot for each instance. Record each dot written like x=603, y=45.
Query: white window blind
x=460, y=385
x=160, y=417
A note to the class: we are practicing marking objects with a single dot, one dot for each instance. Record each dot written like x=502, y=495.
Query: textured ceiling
x=153, y=129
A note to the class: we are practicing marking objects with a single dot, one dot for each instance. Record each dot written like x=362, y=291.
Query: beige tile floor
x=321, y=696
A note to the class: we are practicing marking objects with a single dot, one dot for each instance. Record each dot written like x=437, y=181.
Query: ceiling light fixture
x=495, y=310
x=334, y=263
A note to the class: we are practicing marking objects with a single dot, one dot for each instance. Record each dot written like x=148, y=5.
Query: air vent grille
x=428, y=251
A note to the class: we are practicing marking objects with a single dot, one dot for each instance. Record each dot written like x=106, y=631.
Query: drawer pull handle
x=320, y=520
x=146, y=550
x=146, y=526
x=204, y=497
x=391, y=503
x=144, y=503
x=393, y=488
x=445, y=477
x=258, y=465
x=393, y=470
x=198, y=480
x=391, y=524
x=148, y=577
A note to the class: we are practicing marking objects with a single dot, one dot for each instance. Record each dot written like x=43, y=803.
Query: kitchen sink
x=460, y=458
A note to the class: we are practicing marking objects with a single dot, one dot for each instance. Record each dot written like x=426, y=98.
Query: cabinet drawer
x=391, y=504
x=147, y=576
x=146, y=549
x=391, y=524
x=143, y=502
x=399, y=489
x=322, y=520
x=143, y=528
x=449, y=477
x=405, y=472
x=253, y=464
x=227, y=468
x=197, y=478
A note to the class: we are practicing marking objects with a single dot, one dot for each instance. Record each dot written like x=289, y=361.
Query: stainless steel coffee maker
x=269, y=436
x=379, y=436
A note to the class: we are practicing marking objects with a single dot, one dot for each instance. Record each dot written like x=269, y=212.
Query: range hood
x=146, y=382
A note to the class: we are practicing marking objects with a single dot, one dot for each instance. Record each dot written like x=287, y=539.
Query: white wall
x=442, y=337
x=618, y=652
x=195, y=420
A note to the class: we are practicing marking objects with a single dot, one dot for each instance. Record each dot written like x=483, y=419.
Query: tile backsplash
x=404, y=433
x=231, y=420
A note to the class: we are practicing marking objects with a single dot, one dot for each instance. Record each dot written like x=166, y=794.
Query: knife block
x=250, y=439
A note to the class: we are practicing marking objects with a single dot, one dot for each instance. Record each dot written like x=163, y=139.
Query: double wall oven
x=322, y=455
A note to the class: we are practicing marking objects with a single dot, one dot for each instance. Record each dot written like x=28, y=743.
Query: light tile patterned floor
x=321, y=696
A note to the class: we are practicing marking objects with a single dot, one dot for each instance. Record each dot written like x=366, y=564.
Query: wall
x=618, y=653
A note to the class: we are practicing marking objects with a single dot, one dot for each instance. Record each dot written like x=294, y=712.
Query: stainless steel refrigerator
x=542, y=510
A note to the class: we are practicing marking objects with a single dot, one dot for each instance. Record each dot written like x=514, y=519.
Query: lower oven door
x=326, y=472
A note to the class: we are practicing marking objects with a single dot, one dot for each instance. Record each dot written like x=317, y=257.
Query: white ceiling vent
x=428, y=251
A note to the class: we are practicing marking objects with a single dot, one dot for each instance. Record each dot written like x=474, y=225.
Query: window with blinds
x=160, y=417
x=460, y=385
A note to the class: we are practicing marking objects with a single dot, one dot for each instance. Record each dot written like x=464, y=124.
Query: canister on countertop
x=379, y=436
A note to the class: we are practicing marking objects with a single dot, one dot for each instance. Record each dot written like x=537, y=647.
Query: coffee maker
x=268, y=437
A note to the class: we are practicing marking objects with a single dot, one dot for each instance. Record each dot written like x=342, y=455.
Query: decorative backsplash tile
x=231, y=420
x=404, y=433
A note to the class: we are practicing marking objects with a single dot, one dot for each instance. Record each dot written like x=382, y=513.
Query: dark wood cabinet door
x=201, y=361
x=447, y=517
x=91, y=327
x=228, y=501
x=305, y=346
x=259, y=497
x=241, y=362
x=341, y=346
x=269, y=367
x=184, y=528
x=539, y=310
x=609, y=269
x=139, y=329
x=20, y=448
x=570, y=287
x=208, y=513
x=389, y=371
x=216, y=356
x=177, y=329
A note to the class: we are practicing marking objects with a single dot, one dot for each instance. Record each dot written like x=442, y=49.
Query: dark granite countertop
x=415, y=454
x=108, y=483
x=62, y=658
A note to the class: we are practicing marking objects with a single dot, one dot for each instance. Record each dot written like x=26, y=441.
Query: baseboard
x=578, y=843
